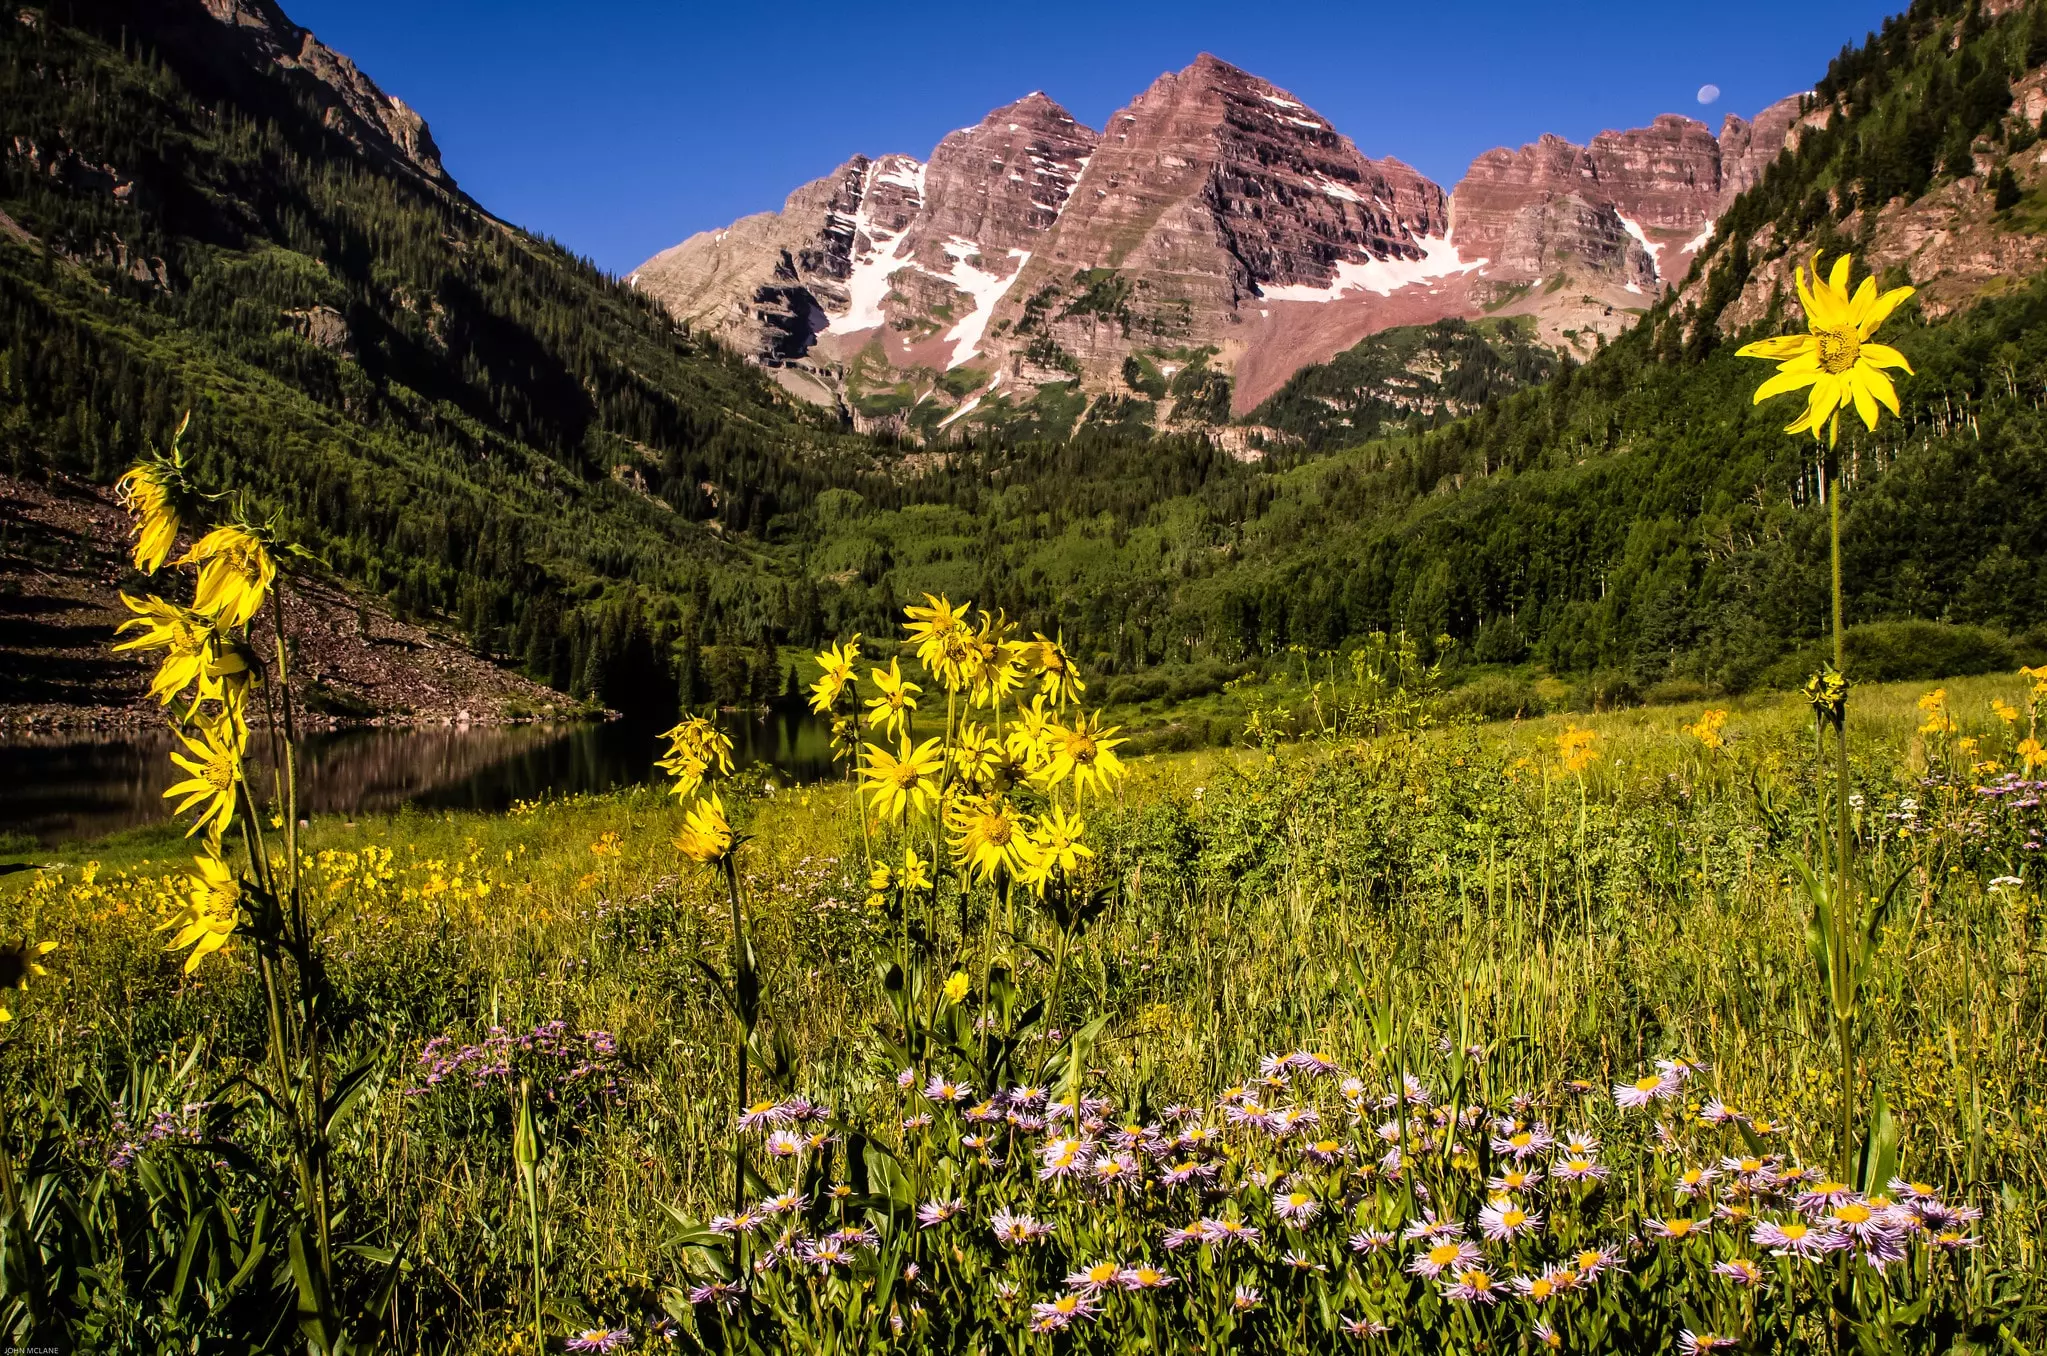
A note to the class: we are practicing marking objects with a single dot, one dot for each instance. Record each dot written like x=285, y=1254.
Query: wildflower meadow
x=1670, y=1030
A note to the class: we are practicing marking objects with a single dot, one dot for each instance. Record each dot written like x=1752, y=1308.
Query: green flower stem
x=745, y=1038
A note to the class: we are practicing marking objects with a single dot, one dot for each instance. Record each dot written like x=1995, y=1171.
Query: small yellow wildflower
x=889, y=711
x=1578, y=748
x=213, y=909
x=18, y=966
x=1707, y=729
x=1061, y=677
x=1056, y=844
x=2004, y=711
x=1086, y=753
x=696, y=748
x=836, y=665
x=944, y=641
x=914, y=875
x=956, y=987
x=1938, y=722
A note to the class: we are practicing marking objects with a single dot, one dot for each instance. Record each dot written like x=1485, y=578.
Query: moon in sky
x=1708, y=93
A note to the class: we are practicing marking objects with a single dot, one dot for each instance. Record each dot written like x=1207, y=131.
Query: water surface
x=61, y=786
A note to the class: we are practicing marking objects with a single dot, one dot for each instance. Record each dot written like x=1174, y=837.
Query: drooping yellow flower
x=235, y=574
x=1707, y=729
x=836, y=664
x=216, y=775
x=1835, y=364
x=146, y=492
x=990, y=837
x=1061, y=676
x=18, y=966
x=1086, y=752
x=1578, y=748
x=696, y=747
x=2032, y=752
x=213, y=909
x=914, y=875
x=188, y=640
x=2004, y=711
x=706, y=835
x=944, y=641
x=904, y=783
x=889, y=712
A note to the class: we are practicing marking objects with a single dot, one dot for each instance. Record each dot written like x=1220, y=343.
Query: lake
x=60, y=786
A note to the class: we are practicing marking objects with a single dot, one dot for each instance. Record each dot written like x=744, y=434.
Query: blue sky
x=621, y=126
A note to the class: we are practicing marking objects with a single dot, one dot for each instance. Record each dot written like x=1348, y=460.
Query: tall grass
x=1415, y=901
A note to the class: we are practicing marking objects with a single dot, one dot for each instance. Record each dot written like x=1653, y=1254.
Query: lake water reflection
x=69, y=785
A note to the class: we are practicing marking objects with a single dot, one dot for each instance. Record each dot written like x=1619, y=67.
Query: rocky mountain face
x=259, y=33
x=1216, y=237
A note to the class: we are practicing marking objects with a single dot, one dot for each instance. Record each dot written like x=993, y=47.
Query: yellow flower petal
x=1779, y=349
x=1865, y=403
x=1786, y=381
x=1880, y=310
x=1879, y=386
x=1883, y=355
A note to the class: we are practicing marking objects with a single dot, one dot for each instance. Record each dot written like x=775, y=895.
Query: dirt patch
x=63, y=564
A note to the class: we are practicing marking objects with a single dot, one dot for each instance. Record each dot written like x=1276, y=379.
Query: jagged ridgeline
x=218, y=213
x=225, y=216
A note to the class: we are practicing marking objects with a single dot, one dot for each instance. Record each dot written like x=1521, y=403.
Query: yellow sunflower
x=976, y=756
x=836, y=664
x=187, y=639
x=216, y=773
x=903, y=783
x=1029, y=738
x=1836, y=360
x=147, y=493
x=1085, y=752
x=706, y=835
x=889, y=712
x=944, y=641
x=1056, y=843
x=18, y=966
x=213, y=909
x=995, y=666
x=235, y=574
x=990, y=837
x=1061, y=677
x=914, y=875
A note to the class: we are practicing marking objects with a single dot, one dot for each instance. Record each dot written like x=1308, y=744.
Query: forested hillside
x=1634, y=516
x=479, y=425
x=457, y=414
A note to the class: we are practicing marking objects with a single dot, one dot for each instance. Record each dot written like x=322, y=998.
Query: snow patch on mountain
x=1654, y=251
x=1440, y=259
x=984, y=287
